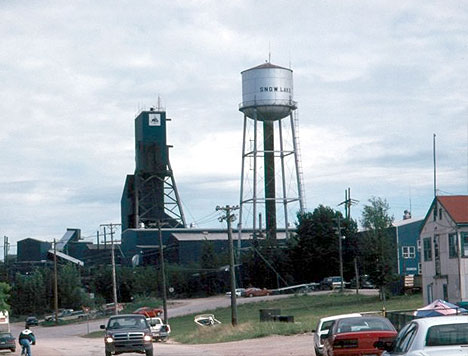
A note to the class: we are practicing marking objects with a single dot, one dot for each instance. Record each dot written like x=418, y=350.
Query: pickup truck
x=67, y=314
x=159, y=330
x=61, y=314
x=128, y=333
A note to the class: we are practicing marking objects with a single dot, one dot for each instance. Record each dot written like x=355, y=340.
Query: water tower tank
x=267, y=91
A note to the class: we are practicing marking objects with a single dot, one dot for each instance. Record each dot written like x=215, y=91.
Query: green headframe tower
x=150, y=196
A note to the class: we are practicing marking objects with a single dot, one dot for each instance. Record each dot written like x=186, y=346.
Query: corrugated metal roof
x=218, y=236
x=456, y=206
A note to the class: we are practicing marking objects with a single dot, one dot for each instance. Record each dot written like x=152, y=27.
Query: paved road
x=68, y=341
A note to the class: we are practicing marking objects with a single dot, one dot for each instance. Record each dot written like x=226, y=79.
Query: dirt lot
x=299, y=345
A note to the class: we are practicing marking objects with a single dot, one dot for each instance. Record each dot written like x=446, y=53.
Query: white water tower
x=267, y=98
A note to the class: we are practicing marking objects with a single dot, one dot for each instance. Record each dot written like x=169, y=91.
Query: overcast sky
x=374, y=81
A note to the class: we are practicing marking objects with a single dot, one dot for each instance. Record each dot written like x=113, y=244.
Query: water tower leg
x=255, y=153
x=270, y=186
x=241, y=202
x=283, y=180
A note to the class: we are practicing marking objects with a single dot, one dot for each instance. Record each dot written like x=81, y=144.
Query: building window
x=418, y=243
x=453, y=245
x=408, y=251
x=437, y=254
x=440, y=213
x=419, y=268
x=464, y=241
x=427, y=249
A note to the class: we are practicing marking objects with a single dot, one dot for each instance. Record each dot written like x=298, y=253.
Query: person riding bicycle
x=26, y=338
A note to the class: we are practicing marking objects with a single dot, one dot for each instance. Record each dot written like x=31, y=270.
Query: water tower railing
x=277, y=102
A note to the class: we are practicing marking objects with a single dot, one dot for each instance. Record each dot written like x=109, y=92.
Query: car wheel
x=13, y=350
x=149, y=352
x=108, y=353
x=250, y=295
x=268, y=294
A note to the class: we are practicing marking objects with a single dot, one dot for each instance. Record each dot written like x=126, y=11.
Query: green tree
x=377, y=246
x=4, y=296
x=314, y=251
x=266, y=265
x=29, y=294
x=70, y=289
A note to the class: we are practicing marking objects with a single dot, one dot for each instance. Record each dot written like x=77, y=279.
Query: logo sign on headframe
x=154, y=119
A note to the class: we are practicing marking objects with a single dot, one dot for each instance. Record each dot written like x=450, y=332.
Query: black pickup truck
x=128, y=333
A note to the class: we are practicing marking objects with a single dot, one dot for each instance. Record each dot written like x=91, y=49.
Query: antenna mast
x=434, y=162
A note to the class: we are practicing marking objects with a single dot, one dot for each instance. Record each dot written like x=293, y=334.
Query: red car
x=356, y=336
x=149, y=312
x=256, y=292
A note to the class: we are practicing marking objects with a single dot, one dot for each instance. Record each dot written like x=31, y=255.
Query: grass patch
x=95, y=334
x=184, y=330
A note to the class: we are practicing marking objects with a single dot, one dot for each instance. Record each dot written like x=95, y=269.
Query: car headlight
x=148, y=338
x=109, y=339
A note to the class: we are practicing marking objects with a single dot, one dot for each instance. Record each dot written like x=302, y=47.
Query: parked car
x=329, y=283
x=440, y=335
x=7, y=342
x=127, y=333
x=358, y=336
x=31, y=321
x=256, y=292
x=109, y=308
x=159, y=330
x=239, y=292
x=323, y=326
x=364, y=282
x=149, y=312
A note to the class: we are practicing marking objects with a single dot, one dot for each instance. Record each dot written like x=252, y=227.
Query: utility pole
x=348, y=202
x=55, y=283
x=340, y=248
x=163, y=272
x=229, y=219
x=114, y=278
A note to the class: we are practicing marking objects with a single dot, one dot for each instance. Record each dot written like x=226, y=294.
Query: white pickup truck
x=66, y=314
x=159, y=330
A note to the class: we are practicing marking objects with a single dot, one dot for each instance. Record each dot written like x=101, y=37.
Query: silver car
x=436, y=336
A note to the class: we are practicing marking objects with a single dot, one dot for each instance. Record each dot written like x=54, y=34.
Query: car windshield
x=363, y=324
x=5, y=335
x=127, y=322
x=451, y=334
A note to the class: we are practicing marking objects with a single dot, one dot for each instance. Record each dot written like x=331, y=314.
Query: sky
x=373, y=81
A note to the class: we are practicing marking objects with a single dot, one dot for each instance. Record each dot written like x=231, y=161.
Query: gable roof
x=456, y=206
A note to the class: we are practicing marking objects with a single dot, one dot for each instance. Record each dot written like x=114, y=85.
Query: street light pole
x=55, y=283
